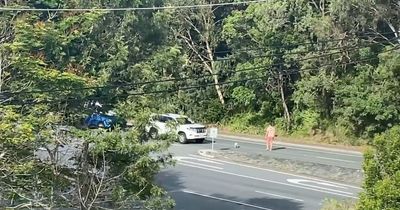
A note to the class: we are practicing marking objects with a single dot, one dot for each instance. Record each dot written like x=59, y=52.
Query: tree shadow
x=170, y=180
x=201, y=201
x=188, y=199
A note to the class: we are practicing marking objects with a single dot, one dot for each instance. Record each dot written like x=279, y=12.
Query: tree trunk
x=211, y=69
x=84, y=179
x=396, y=33
x=219, y=91
x=283, y=98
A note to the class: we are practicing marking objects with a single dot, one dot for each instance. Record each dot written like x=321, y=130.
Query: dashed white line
x=335, y=159
x=224, y=199
x=299, y=182
x=279, y=196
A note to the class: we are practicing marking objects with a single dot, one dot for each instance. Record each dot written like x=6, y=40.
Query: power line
x=346, y=63
x=301, y=52
x=350, y=48
x=176, y=79
x=267, y=46
x=131, y=8
x=286, y=72
x=147, y=93
x=185, y=78
x=166, y=91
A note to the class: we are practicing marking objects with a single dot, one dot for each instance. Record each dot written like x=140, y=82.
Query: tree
x=48, y=83
x=262, y=40
x=368, y=102
x=47, y=166
x=382, y=173
x=197, y=30
x=5, y=37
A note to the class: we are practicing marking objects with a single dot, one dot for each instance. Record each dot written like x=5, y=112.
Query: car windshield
x=184, y=120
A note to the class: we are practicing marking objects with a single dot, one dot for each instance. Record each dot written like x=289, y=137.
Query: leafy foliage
x=368, y=102
x=328, y=68
x=382, y=173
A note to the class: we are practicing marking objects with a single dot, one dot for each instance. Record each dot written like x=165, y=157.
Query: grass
x=332, y=204
x=253, y=125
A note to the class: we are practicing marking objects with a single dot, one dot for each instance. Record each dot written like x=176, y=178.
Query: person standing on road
x=269, y=136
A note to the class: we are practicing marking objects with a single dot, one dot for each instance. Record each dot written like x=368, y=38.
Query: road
x=328, y=157
x=198, y=183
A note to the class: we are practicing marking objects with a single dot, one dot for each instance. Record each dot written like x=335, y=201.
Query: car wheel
x=200, y=141
x=100, y=125
x=182, y=138
x=153, y=133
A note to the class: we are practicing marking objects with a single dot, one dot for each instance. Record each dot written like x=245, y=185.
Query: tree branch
x=191, y=45
x=100, y=186
x=193, y=26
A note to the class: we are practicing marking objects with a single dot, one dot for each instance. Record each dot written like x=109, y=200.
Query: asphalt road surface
x=328, y=157
x=201, y=183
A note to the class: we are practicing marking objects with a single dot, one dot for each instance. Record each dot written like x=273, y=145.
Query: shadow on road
x=189, y=199
x=169, y=180
x=278, y=148
x=208, y=141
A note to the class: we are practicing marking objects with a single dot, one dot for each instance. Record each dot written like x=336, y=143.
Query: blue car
x=97, y=120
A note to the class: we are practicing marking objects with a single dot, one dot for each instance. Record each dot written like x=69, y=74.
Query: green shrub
x=249, y=123
x=306, y=122
x=243, y=96
x=214, y=112
x=280, y=125
x=382, y=173
x=331, y=204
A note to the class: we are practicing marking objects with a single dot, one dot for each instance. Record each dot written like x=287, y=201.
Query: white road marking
x=266, y=180
x=335, y=159
x=208, y=161
x=199, y=164
x=201, y=159
x=296, y=148
x=299, y=182
x=279, y=172
x=318, y=183
x=224, y=199
x=279, y=196
x=188, y=165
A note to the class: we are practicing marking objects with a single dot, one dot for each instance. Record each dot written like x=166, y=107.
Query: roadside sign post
x=213, y=135
x=212, y=144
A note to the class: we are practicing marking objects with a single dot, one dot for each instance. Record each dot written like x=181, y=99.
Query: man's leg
x=266, y=143
x=270, y=141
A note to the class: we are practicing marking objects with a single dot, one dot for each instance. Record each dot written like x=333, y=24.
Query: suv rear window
x=165, y=119
x=183, y=121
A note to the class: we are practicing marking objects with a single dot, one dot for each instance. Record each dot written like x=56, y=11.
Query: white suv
x=185, y=127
